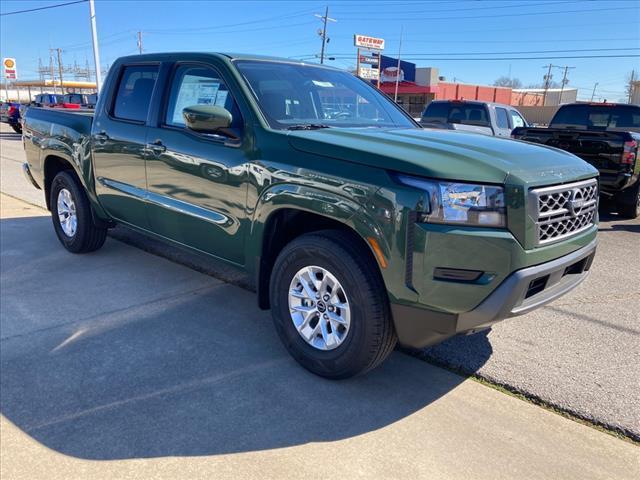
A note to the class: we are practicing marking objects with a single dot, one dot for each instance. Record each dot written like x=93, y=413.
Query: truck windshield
x=298, y=96
x=456, y=112
x=605, y=116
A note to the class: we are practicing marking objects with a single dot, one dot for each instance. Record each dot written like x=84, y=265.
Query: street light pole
x=96, y=52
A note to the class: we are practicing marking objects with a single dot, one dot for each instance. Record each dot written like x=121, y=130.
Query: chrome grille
x=562, y=211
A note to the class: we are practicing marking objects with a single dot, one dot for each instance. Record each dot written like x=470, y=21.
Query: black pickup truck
x=607, y=136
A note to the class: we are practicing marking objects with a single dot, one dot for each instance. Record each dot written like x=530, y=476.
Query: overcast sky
x=523, y=35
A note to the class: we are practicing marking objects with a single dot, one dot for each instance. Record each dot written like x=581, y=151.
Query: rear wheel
x=71, y=215
x=329, y=305
x=16, y=127
x=628, y=202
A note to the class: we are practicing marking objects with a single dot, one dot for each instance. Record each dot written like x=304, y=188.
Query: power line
x=430, y=11
x=300, y=13
x=42, y=8
x=485, y=59
x=518, y=52
x=253, y=29
x=522, y=14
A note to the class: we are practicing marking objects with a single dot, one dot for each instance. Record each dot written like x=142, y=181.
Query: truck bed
x=66, y=131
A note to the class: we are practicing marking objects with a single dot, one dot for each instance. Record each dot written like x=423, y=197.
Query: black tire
x=628, y=202
x=371, y=336
x=16, y=128
x=87, y=237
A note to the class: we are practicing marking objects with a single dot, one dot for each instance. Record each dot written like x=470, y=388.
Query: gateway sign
x=364, y=41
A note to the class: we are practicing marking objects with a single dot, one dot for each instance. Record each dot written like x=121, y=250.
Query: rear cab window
x=133, y=97
x=598, y=117
x=457, y=112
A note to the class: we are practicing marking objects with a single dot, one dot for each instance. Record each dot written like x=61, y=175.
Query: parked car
x=10, y=113
x=359, y=230
x=607, y=136
x=54, y=100
x=47, y=100
x=472, y=116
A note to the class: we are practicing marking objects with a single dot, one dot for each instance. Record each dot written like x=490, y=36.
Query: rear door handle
x=156, y=147
x=101, y=137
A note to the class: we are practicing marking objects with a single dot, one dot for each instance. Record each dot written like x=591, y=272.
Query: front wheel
x=329, y=305
x=71, y=215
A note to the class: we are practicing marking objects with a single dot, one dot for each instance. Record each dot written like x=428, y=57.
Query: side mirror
x=207, y=119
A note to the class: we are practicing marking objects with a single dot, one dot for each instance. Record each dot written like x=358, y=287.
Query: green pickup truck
x=360, y=228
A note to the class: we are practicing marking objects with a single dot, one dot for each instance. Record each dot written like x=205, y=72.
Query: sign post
x=369, y=50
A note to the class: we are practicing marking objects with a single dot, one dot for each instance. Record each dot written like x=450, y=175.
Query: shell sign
x=9, y=65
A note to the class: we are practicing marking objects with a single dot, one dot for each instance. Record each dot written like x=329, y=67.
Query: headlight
x=460, y=203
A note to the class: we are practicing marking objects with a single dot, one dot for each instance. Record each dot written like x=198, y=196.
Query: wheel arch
x=288, y=211
x=54, y=163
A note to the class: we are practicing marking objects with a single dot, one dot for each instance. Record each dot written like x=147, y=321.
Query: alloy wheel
x=319, y=308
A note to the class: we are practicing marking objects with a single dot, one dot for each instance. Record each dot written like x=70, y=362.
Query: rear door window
x=134, y=92
x=501, y=118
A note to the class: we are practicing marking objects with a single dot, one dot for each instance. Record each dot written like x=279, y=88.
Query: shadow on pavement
x=200, y=372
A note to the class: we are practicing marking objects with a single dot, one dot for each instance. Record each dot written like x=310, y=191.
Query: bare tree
x=508, y=82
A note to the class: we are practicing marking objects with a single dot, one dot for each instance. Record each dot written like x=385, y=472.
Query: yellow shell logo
x=9, y=63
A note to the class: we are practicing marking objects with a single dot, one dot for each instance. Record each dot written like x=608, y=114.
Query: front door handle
x=156, y=147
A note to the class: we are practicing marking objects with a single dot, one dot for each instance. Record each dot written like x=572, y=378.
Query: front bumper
x=522, y=291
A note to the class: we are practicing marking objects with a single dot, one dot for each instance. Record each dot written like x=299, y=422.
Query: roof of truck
x=228, y=55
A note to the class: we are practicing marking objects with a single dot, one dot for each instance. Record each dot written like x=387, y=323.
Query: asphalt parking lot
x=142, y=372
x=579, y=354
x=123, y=364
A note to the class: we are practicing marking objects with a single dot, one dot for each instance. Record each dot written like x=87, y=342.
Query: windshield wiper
x=308, y=126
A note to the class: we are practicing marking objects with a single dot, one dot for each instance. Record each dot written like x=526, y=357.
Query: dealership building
x=418, y=86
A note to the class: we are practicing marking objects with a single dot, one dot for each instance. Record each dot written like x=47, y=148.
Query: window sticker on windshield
x=318, y=83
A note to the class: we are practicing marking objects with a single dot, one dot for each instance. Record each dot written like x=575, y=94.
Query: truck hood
x=445, y=155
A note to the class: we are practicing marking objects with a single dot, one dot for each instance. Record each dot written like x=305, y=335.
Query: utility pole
x=395, y=95
x=631, y=80
x=564, y=82
x=140, y=42
x=593, y=94
x=323, y=32
x=94, y=36
x=60, y=67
